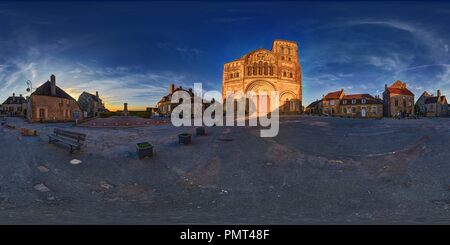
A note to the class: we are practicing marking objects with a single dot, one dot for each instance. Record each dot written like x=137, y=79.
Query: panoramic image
x=216, y=113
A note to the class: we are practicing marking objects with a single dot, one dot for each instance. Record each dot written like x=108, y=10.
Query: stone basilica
x=267, y=70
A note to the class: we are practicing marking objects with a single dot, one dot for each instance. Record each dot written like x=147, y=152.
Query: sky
x=131, y=51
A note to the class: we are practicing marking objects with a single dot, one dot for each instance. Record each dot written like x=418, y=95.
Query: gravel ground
x=316, y=171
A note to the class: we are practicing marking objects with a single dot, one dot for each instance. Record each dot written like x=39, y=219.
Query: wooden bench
x=72, y=139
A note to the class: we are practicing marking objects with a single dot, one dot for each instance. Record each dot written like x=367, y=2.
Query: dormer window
x=353, y=101
x=363, y=100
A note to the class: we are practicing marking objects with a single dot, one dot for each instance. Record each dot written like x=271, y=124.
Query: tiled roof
x=433, y=100
x=16, y=100
x=404, y=91
x=313, y=104
x=45, y=90
x=399, y=87
x=94, y=97
x=334, y=95
x=358, y=97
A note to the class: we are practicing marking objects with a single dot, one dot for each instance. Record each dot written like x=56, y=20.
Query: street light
x=30, y=86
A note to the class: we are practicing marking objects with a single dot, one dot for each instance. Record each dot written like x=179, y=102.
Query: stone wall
x=52, y=109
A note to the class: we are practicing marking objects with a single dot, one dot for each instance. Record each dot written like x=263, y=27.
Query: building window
x=353, y=101
x=284, y=73
x=353, y=109
x=332, y=102
x=290, y=74
x=374, y=109
x=271, y=70
x=237, y=74
x=249, y=71
x=41, y=113
x=344, y=110
x=344, y=102
x=282, y=57
x=266, y=68
x=363, y=100
x=396, y=102
x=290, y=59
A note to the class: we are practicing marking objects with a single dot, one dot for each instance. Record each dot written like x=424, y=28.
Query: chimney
x=20, y=95
x=14, y=96
x=439, y=93
x=385, y=86
x=53, y=85
x=172, y=88
x=96, y=94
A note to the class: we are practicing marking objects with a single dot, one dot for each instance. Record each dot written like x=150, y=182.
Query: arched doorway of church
x=287, y=102
x=261, y=96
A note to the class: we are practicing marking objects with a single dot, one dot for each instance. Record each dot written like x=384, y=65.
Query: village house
x=165, y=105
x=14, y=106
x=331, y=102
x=432, y=106
x=49, y=103
x=315, y=108
x=398, y=100
x=361, y=106
x=90, y=104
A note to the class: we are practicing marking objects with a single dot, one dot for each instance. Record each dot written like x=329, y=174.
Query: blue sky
x=130, y=52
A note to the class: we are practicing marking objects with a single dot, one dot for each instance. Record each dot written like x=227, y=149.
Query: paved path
x=316, y=171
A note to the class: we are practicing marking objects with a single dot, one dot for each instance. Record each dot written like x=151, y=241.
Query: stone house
x=432, y=106
x=314, y=108
x=361, y=106
x=91, y=105
x=398, y=100
x=331, y=103
x=14, y=106
x=165, y=105
x=49, y=103
x=419, y=107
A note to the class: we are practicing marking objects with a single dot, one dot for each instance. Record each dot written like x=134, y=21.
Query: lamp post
x=30, y=86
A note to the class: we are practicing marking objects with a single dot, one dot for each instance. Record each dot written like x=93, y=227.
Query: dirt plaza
x=318, y=170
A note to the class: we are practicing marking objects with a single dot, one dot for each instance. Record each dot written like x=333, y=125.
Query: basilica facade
x=267, y=70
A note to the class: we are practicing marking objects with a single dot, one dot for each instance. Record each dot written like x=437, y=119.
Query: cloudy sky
x=130, y=52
